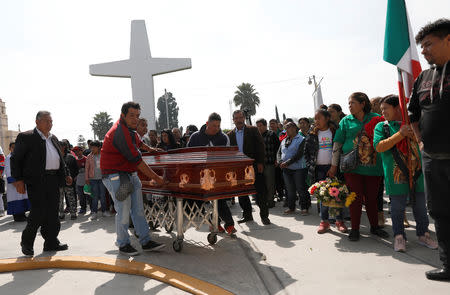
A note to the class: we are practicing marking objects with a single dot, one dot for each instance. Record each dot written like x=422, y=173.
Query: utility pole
x=167, y=108
x=313, y=80
x=317, y=94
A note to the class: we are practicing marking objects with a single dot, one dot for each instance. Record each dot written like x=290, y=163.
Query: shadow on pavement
x=283, y=237
x=34, y=280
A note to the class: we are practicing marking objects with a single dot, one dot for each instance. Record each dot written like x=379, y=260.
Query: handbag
x=350, y=160
x=87, y=189
x=125, y=187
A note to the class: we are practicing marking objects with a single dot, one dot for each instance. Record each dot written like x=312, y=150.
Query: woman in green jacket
x=388, y=136
x=365, y=179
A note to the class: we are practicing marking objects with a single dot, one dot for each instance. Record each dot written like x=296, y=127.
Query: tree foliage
x=246, y=98
x=101, y=123
x=173, y=112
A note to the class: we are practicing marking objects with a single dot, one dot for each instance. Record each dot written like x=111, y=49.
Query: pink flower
x=333, y=191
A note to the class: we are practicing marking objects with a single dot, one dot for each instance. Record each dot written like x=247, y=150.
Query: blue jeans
x=398, y=204
x=295, y=181
x=321, y=174
x=123, y=208
x=97, y=192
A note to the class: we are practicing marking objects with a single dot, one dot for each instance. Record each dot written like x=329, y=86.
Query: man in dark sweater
x=211, y=135
x=428, y=111
x=250, y=142
x=271, y=144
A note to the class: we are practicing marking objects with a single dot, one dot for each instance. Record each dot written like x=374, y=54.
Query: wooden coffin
x=201, y=173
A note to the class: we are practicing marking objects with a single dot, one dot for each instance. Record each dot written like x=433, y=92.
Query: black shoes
x=379, y=232
x=245, y=219
x=440, y=274
x=270, y=204
x=265, y=220
x=20, y=217
x=152, y=246
x=128, y=250
x=27, y=250
x=58, y=247
x=353, y=235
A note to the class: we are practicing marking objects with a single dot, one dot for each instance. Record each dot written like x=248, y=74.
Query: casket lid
x=197, y=155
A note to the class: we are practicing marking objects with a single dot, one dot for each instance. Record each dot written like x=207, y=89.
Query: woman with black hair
x=388, y=135
x=291, y=161
x=365, y=173
x=168, y=141
x=336, y=113
x=318, y=155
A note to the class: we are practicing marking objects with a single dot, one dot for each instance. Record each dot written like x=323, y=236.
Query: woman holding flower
x=388, y=139
x=365, y=179
x=318, y=154
x=291, y=161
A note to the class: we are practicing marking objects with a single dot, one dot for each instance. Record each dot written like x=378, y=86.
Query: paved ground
x=287, y=257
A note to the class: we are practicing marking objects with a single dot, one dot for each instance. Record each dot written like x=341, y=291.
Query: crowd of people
x=288, y=157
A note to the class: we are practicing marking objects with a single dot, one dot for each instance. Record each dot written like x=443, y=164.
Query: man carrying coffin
x=120, y=160
x=211, y=135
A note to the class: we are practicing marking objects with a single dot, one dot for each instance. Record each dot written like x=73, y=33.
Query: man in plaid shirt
x=271, y=144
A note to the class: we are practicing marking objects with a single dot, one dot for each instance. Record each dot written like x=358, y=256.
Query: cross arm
x=121, y=68
x=167, y=65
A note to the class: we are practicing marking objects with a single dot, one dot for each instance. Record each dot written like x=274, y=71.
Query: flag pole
x=402, y=98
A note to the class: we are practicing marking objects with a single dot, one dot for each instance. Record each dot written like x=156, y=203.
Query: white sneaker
x=427, y=241
x=399, y=243
x=2, y=212
x=94, y=215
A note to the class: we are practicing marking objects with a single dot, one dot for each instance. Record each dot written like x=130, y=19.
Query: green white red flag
x=400, y=49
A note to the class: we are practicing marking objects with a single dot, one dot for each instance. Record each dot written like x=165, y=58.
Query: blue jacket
x=293, y=153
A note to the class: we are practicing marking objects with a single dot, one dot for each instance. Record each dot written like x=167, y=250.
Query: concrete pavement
x=287, y=257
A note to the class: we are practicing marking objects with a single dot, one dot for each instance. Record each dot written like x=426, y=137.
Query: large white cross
x=141, y=67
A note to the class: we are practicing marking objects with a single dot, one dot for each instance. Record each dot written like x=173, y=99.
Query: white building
x=6, y=135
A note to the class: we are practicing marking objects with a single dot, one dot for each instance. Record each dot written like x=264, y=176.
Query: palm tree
x=246, y=98
x=101, y=124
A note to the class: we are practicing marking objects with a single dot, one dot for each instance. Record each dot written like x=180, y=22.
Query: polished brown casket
x=201, y=173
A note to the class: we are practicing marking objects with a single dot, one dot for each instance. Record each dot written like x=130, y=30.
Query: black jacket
x=71, y=164
x=432, y=115
x=200, y=138
x=312, y=150
x=29, y=158
x=253, y=143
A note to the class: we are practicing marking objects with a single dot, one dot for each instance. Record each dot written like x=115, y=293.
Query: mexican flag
x=400, y=48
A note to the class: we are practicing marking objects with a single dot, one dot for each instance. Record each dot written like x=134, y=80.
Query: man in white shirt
x=38, y=164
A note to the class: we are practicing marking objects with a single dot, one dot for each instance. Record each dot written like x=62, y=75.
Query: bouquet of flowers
x=332, y=193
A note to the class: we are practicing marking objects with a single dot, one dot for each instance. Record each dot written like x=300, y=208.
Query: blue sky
x=47, y=47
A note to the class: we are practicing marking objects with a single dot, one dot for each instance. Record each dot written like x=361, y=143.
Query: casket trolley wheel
x=212, y=238
x=177, y=245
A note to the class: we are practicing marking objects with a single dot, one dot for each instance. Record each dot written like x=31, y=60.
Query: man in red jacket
x=120, y=160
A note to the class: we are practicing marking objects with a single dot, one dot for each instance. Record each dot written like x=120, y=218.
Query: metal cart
x=180, y=214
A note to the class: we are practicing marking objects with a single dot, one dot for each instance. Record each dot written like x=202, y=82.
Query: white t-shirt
x=325, y=147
